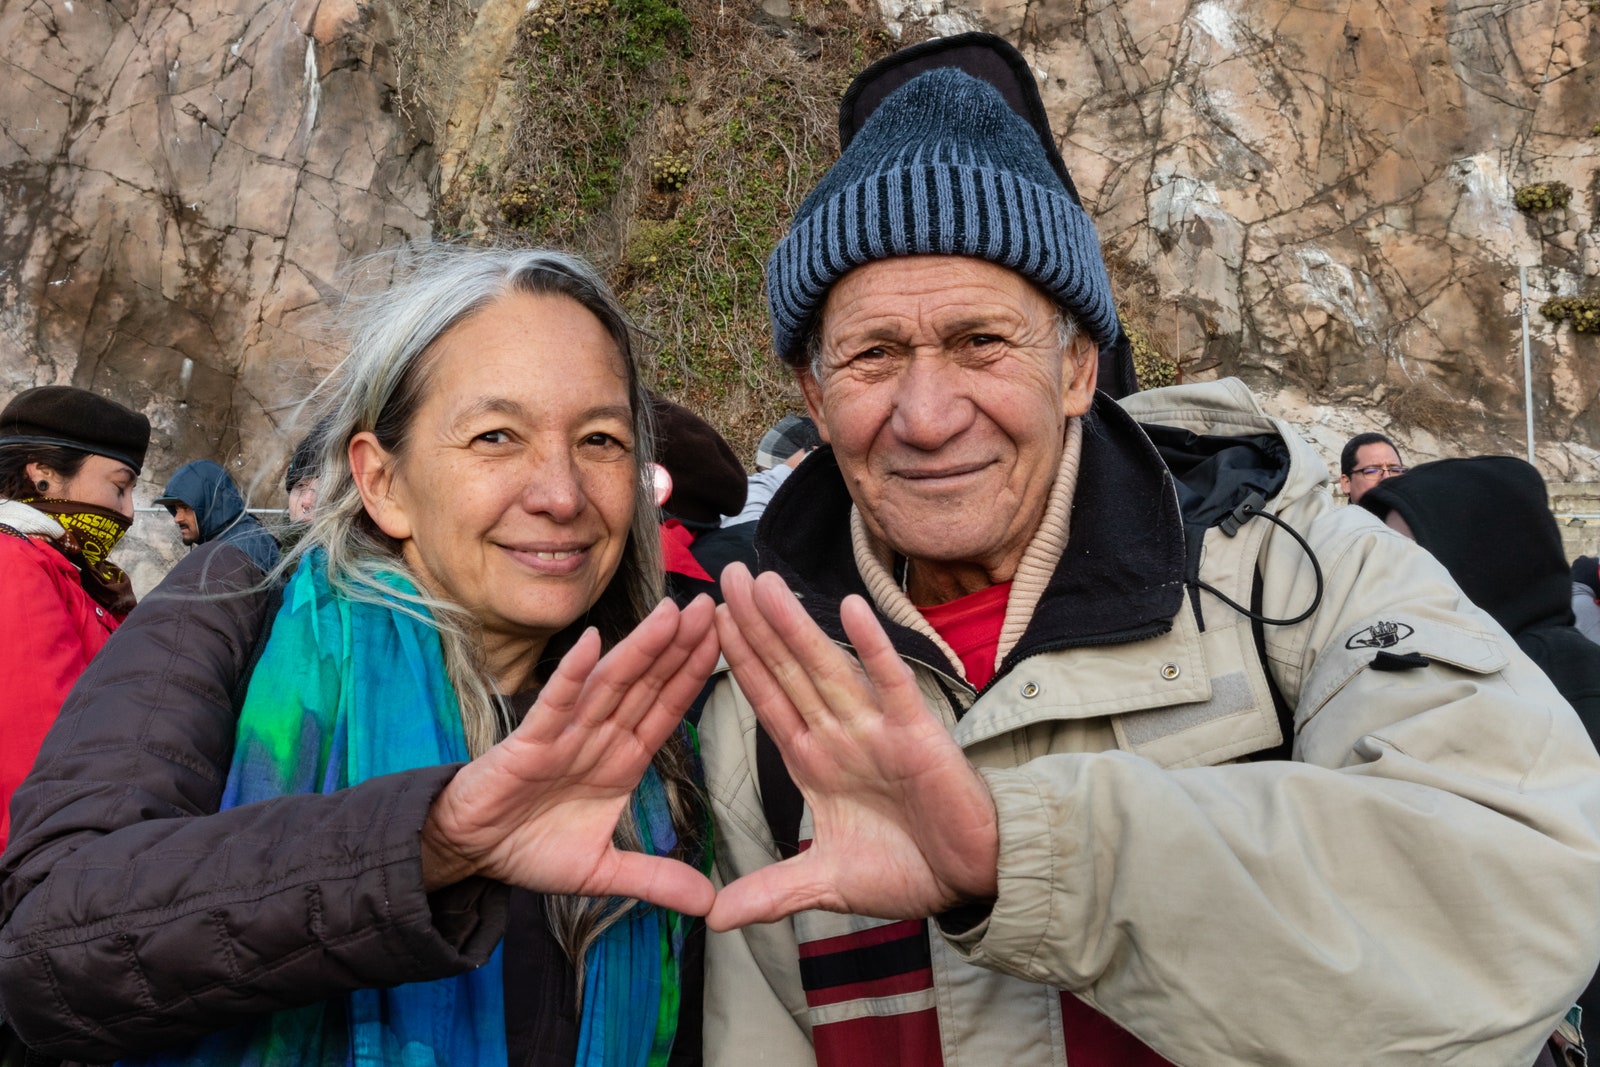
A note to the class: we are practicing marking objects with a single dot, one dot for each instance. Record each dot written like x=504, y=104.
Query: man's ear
x=372, y=467
x=1080, y=370
x=811, y=389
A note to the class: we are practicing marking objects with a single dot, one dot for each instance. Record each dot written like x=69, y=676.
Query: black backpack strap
x=780, y=797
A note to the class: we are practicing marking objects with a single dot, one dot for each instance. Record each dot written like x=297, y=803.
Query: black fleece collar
x=1120, y=578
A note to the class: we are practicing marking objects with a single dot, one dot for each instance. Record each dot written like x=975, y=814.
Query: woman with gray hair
x=424, y=797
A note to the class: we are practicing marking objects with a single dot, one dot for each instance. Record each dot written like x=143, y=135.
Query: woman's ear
x=372, y=467
x=38, y=472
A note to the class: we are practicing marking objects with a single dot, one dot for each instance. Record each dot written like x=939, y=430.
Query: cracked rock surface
x=1319, y=198
x=182, y=184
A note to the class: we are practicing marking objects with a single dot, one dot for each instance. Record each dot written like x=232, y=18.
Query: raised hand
x=903, y=825
x=538, y=810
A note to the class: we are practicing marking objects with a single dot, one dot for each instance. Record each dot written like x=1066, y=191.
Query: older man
x=1040, y=807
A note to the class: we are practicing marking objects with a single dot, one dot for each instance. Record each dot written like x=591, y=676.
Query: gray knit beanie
x=943, y=166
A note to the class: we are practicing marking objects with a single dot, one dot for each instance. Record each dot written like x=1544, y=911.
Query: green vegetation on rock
x=1582, y=311
x=1151, y=367
x=1543, y=196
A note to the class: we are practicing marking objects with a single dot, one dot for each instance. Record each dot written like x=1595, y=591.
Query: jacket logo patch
x=1380, y=635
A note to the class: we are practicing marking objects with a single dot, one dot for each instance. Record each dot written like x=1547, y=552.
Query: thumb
x=668, y=883
x=766, y=895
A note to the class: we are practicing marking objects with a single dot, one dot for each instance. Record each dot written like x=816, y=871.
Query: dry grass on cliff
x=1426, y=405
x=427, y=36
x=670, y=141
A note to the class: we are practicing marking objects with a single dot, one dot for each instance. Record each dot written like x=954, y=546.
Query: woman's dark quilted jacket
x=136, y=917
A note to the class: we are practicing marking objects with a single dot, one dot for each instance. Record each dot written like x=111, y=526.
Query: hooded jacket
x=219, y=510
x=1221, y=907
x=1487, y=519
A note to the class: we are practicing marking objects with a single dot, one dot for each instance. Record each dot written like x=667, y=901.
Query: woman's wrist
x=442, y=863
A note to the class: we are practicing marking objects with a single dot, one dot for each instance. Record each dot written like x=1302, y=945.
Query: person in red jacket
x=68, y=463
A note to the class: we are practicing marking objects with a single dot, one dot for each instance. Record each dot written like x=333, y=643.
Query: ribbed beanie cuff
x=942, y=167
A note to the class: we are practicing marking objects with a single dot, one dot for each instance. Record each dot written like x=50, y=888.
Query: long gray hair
x=378, y=388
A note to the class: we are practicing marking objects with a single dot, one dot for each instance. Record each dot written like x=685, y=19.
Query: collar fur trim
x=29, y=521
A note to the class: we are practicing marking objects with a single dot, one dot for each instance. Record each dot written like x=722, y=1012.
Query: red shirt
x=675, y=555
x=970, y=625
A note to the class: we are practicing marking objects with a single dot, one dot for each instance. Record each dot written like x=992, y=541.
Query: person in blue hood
x=207, y=506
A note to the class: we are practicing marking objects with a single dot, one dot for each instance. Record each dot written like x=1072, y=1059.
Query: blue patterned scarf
x=324, y=712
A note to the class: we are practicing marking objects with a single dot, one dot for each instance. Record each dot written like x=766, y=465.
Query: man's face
x=303, y=499
x=1377, y=454
x=188, y=525
x=944, y=391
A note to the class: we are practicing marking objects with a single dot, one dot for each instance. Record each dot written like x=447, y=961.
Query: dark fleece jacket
x=219, y=510
x=1487, y=519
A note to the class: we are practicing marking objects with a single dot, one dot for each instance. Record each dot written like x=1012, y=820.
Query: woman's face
x=515, y=490
x=102, y=481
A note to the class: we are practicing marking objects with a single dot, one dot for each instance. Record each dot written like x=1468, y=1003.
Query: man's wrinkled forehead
x=898, y=300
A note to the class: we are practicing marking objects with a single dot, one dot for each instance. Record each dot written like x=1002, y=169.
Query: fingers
x=799, y=654
x=637, y=693
x=760, y=687
x=664, y=714
x=892, y=681
x=752, y=605
x=644, y=653
x=824, y=682
x=624, y=684
x=551, y=712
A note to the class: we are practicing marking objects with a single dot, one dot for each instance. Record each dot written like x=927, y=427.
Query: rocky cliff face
x=182, y=184
x=1318, y=197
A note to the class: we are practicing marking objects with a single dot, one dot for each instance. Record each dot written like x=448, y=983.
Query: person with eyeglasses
x=1367, y=459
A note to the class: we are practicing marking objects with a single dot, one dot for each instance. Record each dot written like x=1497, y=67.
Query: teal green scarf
x=347, y=690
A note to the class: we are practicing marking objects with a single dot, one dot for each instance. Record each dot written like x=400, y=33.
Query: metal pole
x=160, y=509
x=1527, y=362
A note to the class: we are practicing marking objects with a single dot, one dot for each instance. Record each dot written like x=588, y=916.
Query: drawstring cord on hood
x=1230, y=525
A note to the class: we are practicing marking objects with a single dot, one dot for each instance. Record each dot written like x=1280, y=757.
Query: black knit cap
x=307, y=459
x=707, y=480
x=68, y=417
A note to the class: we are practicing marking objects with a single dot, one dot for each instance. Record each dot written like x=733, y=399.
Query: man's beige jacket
x=1420, y=885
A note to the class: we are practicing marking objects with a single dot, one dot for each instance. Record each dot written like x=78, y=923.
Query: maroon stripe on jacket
x=910, y=1040
x=868, y=956
x=863, y=938
x=1092, y=1040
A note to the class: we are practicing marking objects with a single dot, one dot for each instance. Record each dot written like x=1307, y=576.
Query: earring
x=44, y=486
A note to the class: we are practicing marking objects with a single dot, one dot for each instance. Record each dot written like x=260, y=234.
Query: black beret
x=707, y=479
x=76, y=418
x=307, y=459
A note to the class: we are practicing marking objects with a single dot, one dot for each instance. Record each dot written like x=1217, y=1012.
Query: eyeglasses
x=1386, y=470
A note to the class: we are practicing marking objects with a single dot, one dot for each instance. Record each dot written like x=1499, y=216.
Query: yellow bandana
x=94, y=530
